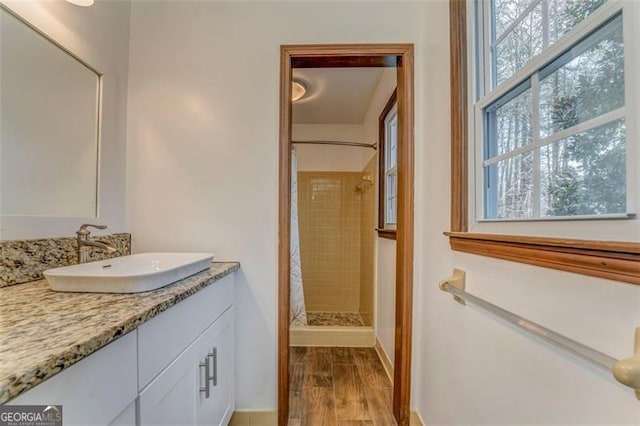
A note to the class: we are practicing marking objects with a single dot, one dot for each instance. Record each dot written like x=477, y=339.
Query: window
x=544, y=111
x=551, y=111
x=388, y=169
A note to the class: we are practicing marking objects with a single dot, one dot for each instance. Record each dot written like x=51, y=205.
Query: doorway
x=347, y=56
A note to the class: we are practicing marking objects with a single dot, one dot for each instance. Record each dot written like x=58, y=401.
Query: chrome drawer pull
x=214, y=356
x=206, y=389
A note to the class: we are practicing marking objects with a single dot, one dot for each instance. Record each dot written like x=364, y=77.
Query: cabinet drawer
x=96, y=390
x=164, y=337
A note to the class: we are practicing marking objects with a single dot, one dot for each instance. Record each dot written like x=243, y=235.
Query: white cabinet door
x=170, y=399
x=179, y=395
x=216, y=346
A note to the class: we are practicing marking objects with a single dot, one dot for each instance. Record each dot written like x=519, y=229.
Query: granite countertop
x=42, y=332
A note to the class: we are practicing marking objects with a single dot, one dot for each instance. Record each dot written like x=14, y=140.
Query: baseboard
x=386, y=362
x=254, y=418
x=415, y=419
x=332, y=336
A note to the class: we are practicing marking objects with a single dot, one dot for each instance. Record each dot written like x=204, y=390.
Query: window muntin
x=586, y=82
x=509, y=125
x=391, y=168
x=519, y=30
x=561, y=109
x=517, y=45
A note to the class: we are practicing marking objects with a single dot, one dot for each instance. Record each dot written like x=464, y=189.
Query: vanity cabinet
x=186, y=360
x=176, y=368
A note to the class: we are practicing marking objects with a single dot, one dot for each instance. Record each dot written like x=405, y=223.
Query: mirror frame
x=33, y=222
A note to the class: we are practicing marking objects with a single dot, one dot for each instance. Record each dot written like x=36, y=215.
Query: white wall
x=100, y=36
x=385, y=275
x=329, y=158
x=470, y=368
x=385, y=298
x=370, y=124
x=203, y=134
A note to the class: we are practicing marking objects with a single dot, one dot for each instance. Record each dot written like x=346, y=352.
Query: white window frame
x=391, y=167
x=482, y=95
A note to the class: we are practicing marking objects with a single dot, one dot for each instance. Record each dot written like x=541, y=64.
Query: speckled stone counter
x=43, y=332
x=22, y=261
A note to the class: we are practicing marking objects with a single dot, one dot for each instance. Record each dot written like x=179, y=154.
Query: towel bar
x=626, y=371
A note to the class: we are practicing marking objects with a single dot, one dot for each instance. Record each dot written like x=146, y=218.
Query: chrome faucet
x=84, y=243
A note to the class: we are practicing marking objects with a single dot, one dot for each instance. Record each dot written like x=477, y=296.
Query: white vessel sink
x=128, y=274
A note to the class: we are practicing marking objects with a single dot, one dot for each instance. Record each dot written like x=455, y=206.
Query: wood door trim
x=344, y=61
x=284, y=223
x=404, y=242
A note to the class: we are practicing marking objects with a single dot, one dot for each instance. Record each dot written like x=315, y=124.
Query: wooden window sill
x=618, y=261
x=387, y=233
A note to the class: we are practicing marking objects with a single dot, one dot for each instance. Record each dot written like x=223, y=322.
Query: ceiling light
x=84, y=3
x=298, y=90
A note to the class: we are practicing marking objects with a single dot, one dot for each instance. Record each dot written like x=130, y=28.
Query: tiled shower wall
x=329, y=208
x=368, y=217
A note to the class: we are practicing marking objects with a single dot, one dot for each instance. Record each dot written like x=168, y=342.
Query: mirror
x=49, y=126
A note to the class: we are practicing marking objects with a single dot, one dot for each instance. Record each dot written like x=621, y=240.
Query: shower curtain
x=298, y=313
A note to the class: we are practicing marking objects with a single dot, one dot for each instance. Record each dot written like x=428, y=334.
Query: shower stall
x=332, y=291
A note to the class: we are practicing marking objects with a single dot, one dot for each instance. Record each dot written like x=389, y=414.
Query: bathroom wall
x=368, y=215
x=385, y=249
x=203, y=138
x=202, y=164
x=329, y=209
x=471, y=368
x=329, y=157
x=386, y=294
x=100, y=36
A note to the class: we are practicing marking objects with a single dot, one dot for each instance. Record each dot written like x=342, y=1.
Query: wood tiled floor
x=338, y=387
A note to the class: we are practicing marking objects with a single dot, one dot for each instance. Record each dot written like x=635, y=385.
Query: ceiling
x=335, y=95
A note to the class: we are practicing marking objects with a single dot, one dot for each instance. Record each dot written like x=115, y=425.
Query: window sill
x=612, y=216
x=617, y=261
x=387, y=233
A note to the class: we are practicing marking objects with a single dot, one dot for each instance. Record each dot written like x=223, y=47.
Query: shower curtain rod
x=341, y=143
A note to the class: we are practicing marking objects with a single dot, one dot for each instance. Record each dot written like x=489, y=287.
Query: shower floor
x=345, y=319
